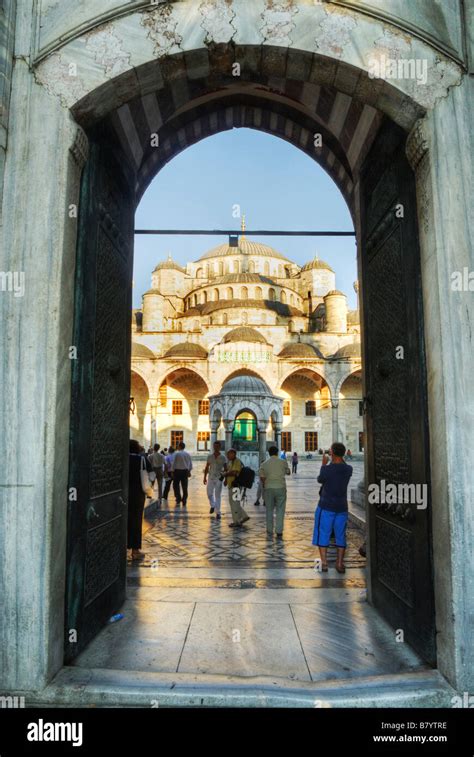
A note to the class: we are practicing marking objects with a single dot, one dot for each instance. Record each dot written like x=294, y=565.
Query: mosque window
x=244, y=293
x=203, y=407
x=258, y=293
x=216, y=294
x=236, y=266
x=251, y=266
x=221, y=268
x=176, y=437
x=224, y=319
x=204, y=296
x=310, y=407
x=176, y=407
x=283, y=296
x=361, y=441
x=230, y=293
x=199, y=273
x=286, y=407
x=266, y=268
x=271, y=294
x=311, y=441
x=203, y=440
x=195, y=299
x=286, y=441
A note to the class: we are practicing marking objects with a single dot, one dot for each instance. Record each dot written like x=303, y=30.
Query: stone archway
x=295, y=64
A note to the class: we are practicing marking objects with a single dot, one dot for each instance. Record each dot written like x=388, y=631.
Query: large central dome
x=245, y=247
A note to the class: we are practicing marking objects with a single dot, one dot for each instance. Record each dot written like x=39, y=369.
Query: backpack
x=245, y=478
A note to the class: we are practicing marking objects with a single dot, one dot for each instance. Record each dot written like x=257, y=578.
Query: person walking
x=234, y=466
x=259, y=494
x=332, y=510
x=167, y=474
x=216, y=466
x=181, y=468
x=294, y=463
x=157, y=461
x=272, y=475
x=136, y=502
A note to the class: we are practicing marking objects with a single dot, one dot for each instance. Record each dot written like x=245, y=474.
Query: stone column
x=229, y=427
x=277, y=429
x=214, y=428
x=262, y=444
x=335, y=420
x=153, y=419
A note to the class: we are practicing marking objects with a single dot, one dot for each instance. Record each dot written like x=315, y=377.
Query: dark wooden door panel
x=97, y=520
x=398, y=452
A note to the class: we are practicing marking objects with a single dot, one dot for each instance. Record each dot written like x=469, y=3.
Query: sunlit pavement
x=209, y=599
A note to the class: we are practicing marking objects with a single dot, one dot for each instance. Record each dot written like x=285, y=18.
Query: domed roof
x=186, y=349
x=244, y=334
x=348, y=351
x=245, y=247
x=300, y=349
x=334, y=292
x=169, y=264
x=250, y=385
x=241, y=278
x=141, y=350
x=317, y=263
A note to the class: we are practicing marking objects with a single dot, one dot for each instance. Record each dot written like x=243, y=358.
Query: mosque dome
x=348, y=351
x=244, y=247
x=141, y=350
x=249, y=385
x=299, y=350
x=169, y=264
x=244, y=334
x=335, y=292
x=316, y=263
x=187, y=349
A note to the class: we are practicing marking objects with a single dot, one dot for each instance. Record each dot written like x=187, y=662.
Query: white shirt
x=181, y=461
x=274, y=471
x=216, y=466
x=156, y=459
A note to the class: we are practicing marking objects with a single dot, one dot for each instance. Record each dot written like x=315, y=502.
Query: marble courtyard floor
x=213, y=600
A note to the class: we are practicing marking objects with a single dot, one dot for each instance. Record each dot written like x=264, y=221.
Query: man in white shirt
x=181, y=468
x=157, y=461
x=272, y=475
x=216, y=465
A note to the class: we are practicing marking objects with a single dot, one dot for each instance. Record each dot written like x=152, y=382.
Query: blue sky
x=277, y=187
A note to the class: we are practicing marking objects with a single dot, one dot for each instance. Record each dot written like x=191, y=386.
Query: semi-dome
x=245, y=247
x=348, y=351
x=186, y=349
x=170, y=264
x=141, y=350
x=317, y=263
x=299, y=350
x=244, y=334
x=249, y=385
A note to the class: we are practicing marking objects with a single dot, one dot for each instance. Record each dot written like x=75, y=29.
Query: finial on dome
x=242, y=227
x=169, y=256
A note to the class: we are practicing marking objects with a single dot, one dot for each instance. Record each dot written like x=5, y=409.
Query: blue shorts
x=327, y=521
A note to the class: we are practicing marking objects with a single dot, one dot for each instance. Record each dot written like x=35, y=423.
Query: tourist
x=349, y=454
x=216, y=466
x=259, y=494
x=157, y=461
x=294, y=463
x=234, y=466
x=272, y=475
x=167, y=474
x=136, y=502
x=181, y=468
x=332, y=510
x=283, y=454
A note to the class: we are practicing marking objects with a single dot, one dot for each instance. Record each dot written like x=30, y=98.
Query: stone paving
x=210, y=600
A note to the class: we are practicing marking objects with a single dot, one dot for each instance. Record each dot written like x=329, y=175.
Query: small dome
x=140, y=350
x=335, y=292
x=249, y=385
x=348, y=351
x=169, y=264
x=300, y=349
x=244, y=334
x=186, y=349
x=318, y=264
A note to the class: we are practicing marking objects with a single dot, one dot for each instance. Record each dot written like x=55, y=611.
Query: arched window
x=271, y=294
x=221, y=267
x=244, y=293
x=196, y=325
x=283, y=296
x=230, y=293
x=224, y=319
x=195, y=299
x=204, y=294
x=216, y=294
x=258, y=293
x=180, y=326
x=199, y=273
x=236, y=266
x=266, y=268
x=292, y=299
x=291, y=326
x=251, y=266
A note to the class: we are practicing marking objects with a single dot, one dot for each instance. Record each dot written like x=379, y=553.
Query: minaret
x=242, y=227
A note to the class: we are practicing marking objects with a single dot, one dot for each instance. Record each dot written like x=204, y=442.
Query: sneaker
x=211, y=510
x=218, y=516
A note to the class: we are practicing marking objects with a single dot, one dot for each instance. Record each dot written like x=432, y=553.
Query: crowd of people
x=173, y=468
